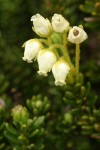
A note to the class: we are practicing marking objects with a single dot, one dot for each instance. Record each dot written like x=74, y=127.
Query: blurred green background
x=18, y=79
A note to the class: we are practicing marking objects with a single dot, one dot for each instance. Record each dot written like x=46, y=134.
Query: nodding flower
x=41, y=26
x=60, y=71
x=32, y=48
x=46, y=59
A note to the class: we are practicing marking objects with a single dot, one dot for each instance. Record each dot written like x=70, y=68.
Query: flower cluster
x=45, y=51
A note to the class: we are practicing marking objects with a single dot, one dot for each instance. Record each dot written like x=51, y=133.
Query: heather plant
x=47, y=56
x=64, y=111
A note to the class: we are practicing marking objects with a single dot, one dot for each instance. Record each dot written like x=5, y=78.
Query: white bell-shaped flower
x=32, y=48
x=41, y=25
x=77, y=35
x=46, y=59
x=59, y=23
x=60, y=71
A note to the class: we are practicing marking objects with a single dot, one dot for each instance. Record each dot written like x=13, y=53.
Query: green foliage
x=4, y=85
x=3, y=116
x=93, y=9
x=2, y=144
x=76, y=119
x=61, y=122
x=27, y=130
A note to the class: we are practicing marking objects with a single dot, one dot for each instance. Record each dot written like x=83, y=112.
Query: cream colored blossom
x=59, y=23
x=45, y=59
x=77, y=35
x=32, y=48
x=60, y=71
x=41, y=25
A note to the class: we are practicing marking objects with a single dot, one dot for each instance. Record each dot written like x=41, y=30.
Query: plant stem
x=65, y=52
x=49, y=41
x=77, y=58
x=63, y=49
x=43, y=41
x=65, y=39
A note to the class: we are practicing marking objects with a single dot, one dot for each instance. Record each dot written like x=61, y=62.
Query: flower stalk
x=65, y=39
x=49, y=41
x=64, y=51
x=77, y=57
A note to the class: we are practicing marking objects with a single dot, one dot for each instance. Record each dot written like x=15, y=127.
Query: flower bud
x=20, y=115
x=59, y=23
x=77, y=35
x=32, y=48
x=41, y=25
x=45, y=59
x=60, y=70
